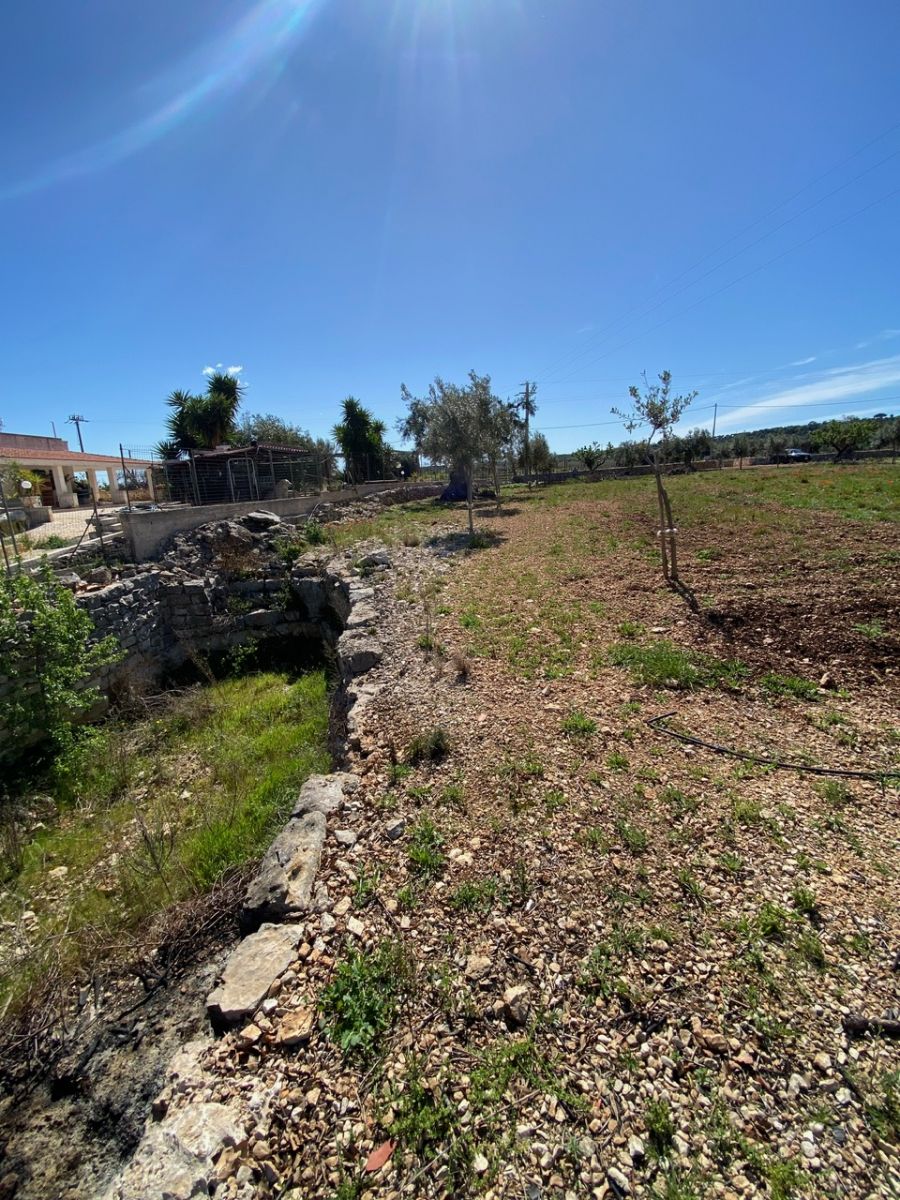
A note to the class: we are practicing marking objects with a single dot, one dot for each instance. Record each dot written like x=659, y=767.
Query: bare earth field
x=570, y=956
x=561, y=954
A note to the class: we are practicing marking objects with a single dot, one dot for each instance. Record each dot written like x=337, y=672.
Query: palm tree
x=205, y=421
x=361, y=440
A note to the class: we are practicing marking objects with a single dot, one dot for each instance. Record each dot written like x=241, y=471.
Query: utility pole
x=76, y=420
x=526, y=402
x=715, y=414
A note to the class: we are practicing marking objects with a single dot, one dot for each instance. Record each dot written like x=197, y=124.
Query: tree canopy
x=844, y=437
x=267, y=427
x=458, y=425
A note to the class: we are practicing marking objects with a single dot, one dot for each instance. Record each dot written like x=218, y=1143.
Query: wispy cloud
x=837, y=383
x=803, y=362
x=233, y=370
x=886, y=335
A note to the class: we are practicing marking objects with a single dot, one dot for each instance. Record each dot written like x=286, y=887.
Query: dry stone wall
x=185, y=1143
x=164, y=620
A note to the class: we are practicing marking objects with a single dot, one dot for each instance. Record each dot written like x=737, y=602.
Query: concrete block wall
x=147, y=532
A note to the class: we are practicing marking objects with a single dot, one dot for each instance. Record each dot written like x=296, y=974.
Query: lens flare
x=259, y=44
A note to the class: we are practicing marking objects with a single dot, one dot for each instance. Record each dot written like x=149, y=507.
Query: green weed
x=789, y=685
x=424, y=849
x=577, y=724
x=428, y=747
x=662, y=664
x=360, y=1003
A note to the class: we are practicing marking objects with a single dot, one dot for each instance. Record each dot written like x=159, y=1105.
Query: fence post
x=124, y=476
x=9, y=527
x=195, y=484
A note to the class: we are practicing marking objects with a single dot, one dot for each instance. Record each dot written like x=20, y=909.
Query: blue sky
x=338, y=196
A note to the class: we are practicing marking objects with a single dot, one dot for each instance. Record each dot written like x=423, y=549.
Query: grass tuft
x=429, y=747
x=662, y=664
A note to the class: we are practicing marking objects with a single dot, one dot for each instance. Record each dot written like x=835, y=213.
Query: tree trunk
x=469, y=499
x=670, y=535
x=496, y=470
x=662, y=521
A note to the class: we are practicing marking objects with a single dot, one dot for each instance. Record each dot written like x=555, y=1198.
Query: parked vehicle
x=792, y=455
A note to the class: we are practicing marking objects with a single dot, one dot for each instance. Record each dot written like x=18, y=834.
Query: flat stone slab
x=320, y=793
x=284, y=883
x=358, y=652
x=174, y=1159
x=251, y=969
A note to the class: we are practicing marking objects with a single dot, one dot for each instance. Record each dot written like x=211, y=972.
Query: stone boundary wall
x=182, y=1141
x=162, y=621
x=146, y=532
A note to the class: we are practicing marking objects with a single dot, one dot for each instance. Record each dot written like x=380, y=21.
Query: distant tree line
x=467, y=426
x=840, y=438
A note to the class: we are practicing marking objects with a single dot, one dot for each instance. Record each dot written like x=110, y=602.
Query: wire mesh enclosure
x=266, y=472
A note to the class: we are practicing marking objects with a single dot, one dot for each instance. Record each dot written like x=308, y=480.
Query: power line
x=740, y=278
x=574, y=356
x=709, y=407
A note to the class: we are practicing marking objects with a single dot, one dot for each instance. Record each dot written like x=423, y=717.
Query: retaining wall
x=146, y=532
x=162, y=622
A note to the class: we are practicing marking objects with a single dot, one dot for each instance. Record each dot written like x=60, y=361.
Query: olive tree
x=845, y=437
x=593, y=455
x=457, y=425
x=658, y=410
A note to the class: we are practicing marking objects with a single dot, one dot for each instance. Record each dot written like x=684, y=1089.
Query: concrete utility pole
x=526, y=402
x=715, y=414
x=76, y=420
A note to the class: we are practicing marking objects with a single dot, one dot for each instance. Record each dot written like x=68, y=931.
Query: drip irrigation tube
x=656, y=723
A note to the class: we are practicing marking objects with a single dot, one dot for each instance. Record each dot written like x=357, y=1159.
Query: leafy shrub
x=47, y=654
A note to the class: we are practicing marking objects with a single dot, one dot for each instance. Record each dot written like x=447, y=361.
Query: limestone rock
x=516, y=1006
x=295, y=1027
x=358, y=653
x=477, y=966
x=321, y=793
x=378, y=558
x=260, y=520
x=249, y=973
x=174, y=1160
x=284, y=883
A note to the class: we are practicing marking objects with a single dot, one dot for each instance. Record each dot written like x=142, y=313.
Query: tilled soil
x=627, y=962
x=619, y=965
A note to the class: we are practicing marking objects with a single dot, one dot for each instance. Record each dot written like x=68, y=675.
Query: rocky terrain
x=525, y=943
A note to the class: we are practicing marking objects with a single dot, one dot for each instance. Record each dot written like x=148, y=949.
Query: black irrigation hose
x=778, y=764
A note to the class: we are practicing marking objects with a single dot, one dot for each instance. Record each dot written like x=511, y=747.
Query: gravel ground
x=587, y=959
